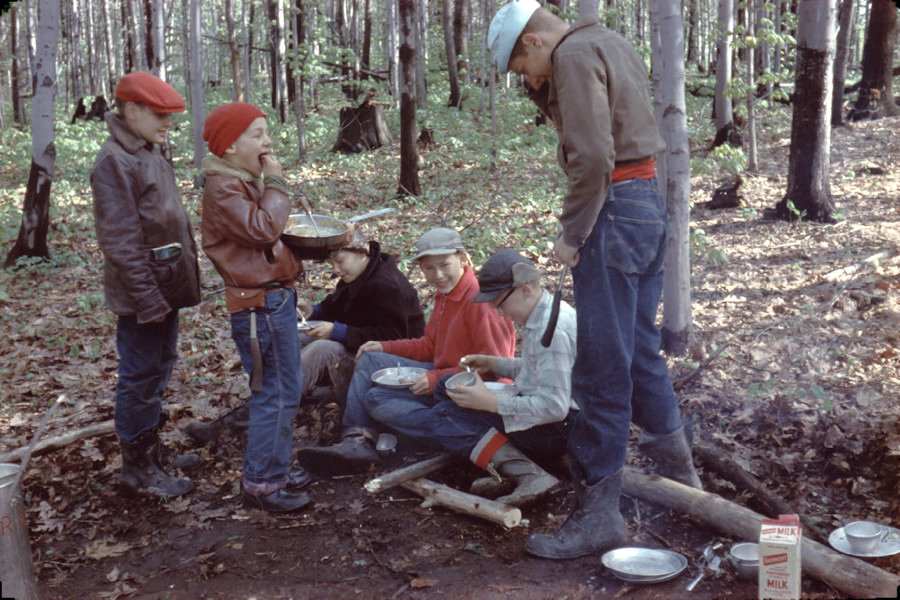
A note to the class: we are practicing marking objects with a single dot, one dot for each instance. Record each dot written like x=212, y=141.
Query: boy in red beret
x=150, y=271
x=245, y=209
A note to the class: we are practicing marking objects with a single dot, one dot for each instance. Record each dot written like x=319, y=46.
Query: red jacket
x=458, y=327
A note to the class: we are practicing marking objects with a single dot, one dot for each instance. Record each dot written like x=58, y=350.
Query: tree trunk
x=462, y=22
x=752, y=164
x=450, y=46
x=77, y=59
x=877, y=63
x=421, y=46
x=32, y=240
x=198, y=111
x=692, y=31
x=299, y=32
x=722, y=106
x=234, y=57
x=112, y=62
x=367, y=38
x=776, y=66
x=245, y=48
x=591, y=8
x=18, y=106
x=156, y=60
x=409, y=154
x=674, y=162
x=845, y=27
x=808, y=189
x=390, y=47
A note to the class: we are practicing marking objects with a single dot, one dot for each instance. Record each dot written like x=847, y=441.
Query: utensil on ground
x=554, y=309
x=710, y=561
x=370, y=214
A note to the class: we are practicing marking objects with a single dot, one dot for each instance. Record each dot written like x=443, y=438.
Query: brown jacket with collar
x=599, y=100
x=138, y=207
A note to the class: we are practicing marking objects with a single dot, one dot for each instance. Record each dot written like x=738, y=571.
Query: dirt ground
x=804, y=396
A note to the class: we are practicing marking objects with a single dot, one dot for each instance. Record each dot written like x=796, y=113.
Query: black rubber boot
x=354, y=454
x=281, y=501
x=594, y=526
x=672, y=455
x=142, y=472
x=208, y=432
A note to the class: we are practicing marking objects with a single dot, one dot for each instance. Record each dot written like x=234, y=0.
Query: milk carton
x=779, y=558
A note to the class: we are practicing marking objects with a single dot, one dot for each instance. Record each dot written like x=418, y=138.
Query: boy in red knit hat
x=149, y=272
x=245, y=209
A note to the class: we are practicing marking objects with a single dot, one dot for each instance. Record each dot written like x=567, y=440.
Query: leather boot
x=672, y=455
x=354, y=454
x=167, y=458
x=594, y=526
x=142, y=473
x=530, y=480
x=297, y=479
x=208, y=432
x=281, y=501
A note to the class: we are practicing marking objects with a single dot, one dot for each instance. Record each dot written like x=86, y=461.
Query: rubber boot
x=142, y=473
x=234, y=420
x=672, y=455
x=530, y=480
x=594, y=526
x=281, y=501
x=353, y=454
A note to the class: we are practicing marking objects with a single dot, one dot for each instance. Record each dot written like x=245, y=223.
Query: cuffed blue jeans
x=619, y=374
x=272, y=410
x=356, y=413
x=439, y=423
x=147, y=354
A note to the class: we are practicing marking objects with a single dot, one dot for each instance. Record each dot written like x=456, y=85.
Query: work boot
x=297, y=479
x=530, y=480
x=594, y=526
x=281, y=501
x=166, y=457
x=142, y=473
x=672, y=455
x=234, y=420
x=353, y=454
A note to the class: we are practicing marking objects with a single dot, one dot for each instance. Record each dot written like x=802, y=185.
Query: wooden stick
x=62, y=440
x=408, y=473
x=438, y=494
x=837, y=273
x=849, y=575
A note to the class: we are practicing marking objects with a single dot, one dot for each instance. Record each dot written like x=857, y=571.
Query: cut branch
x=438, y=494
x=62, y=440
x=408, y=473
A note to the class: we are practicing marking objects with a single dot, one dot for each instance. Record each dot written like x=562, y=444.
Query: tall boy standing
x=149, y=272
x=614, y=236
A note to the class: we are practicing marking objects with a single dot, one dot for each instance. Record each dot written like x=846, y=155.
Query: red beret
x=226, y=123
x=151, y=91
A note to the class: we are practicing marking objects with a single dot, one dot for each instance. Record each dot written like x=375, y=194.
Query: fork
x=710, y=561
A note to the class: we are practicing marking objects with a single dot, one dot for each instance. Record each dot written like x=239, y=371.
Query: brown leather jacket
x=138, y=207
x=242, y=224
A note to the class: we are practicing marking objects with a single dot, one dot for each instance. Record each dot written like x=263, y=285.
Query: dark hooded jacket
x=380, y=304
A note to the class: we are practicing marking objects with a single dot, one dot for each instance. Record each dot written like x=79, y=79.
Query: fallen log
x=410, y=472
x=61, y=440
x=849, y=575
x=438, y=494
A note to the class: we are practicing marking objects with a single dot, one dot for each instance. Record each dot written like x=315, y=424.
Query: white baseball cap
x=506, y=26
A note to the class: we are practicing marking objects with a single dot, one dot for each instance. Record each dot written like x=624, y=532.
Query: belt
x=272, y=285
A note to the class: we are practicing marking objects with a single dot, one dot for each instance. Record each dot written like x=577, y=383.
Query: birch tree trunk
x=842, y=50
x=391, y=48
x=32, y=240
x=450, y=47
x=15, y=92
x=280, y=61
x=234, y=57
x=77, y=56
x=297, y=28
x=674, y=170
x=198, y=111
x=723, y=108
x=409, y=154
x=752, y=164
x=808, y=188
x=421, y=46
x=245, y=50
x=590, y=8
x=157, y=38
x=112, y=62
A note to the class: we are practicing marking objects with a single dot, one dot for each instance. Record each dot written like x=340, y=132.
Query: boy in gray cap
x=614, y=221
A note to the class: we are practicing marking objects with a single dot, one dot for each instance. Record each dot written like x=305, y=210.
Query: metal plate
x=496, y=387
x=299, y=231
x=8, y=472
x=397, y=378
x=304, y=327
x=644, y=565
x=888, y=546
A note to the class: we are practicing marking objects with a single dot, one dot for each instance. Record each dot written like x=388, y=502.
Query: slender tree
x=667, y=47
x=752, y=164
x=32, y=239
x=808, y=189
x=877, y=63
x=409, y=154
x=299, y=34
x=246, y=24
x=156, y=38
x=842, y=50
x=450, y=47
x=462, y=19
x=16, y=91
x=198, y=111
x=722, y=105
x=109, y=48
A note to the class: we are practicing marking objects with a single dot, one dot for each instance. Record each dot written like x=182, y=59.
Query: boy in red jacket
x=457, y=327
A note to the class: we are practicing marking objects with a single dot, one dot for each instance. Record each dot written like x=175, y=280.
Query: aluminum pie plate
x=397, y=378
x=497, y=387
x=888, y=545
x=303, y=327
x=644, y=565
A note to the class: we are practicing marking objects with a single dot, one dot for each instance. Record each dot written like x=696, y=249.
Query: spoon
x=305, y=202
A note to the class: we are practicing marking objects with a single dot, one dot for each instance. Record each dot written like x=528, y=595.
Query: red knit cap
x=226, y=124
x=151, y=91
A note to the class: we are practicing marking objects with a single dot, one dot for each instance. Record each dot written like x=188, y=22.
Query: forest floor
x=804, y=396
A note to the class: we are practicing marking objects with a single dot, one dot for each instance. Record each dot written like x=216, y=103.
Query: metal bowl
x=745, y=557
x=496, y=387
x=397, y=378
x=8, y=472
x=466, y=378
x=644, y=565
x=300, y=232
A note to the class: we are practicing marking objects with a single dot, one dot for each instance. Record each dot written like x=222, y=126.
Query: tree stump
x=80, y=111
x=362, y=128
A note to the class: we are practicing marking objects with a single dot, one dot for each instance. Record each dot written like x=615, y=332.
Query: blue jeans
x=619, y=374
x=147, y=354
x=272, y=410
x=439, y=423
x=356, y=413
